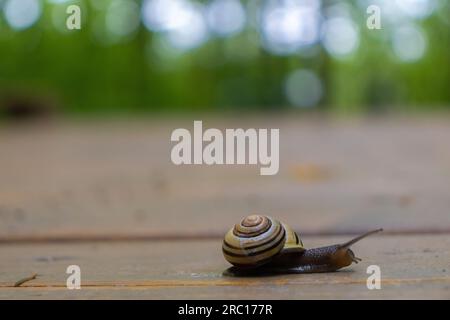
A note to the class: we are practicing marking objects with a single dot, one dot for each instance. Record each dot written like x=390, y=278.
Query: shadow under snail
x=263, y=245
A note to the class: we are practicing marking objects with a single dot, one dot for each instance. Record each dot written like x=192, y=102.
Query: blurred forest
x=183, y=55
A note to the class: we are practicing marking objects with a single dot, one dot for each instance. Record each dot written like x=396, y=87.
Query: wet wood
x=105, y=196
x=412, y=267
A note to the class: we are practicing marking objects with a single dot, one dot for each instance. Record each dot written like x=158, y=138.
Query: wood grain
x=116, y=178
x=411, y=267
x=105, y=196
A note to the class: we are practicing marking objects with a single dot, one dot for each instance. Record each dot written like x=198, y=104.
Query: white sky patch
x=22, y=14
x=288, y=26
x=192, y=32
x=164, y=15
x=226, y=17
x=59, y=1
x=417, y=8
x=182, y=23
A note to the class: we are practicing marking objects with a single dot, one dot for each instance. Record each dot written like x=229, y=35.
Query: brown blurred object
x=406, y=200
x=309, y=172
x=22, y=105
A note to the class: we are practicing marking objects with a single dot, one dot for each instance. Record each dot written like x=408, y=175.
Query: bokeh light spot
x=289, y=26
x=416, y=8
x=226, y=17
x=409, y=43
x=163, y=15
x=340, y=36
x=303, y=88
x=192, y=33
x=122, y=17
x=22, y=14
x=182, y=22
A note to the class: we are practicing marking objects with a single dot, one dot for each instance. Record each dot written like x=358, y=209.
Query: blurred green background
x=182, y=55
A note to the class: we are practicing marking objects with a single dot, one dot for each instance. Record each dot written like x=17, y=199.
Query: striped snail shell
x=261, y=244
x=258, y=240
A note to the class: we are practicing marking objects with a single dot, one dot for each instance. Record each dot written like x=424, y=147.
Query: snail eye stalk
x=359, y=238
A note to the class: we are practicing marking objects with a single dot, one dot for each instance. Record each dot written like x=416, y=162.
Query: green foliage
x=130, y=76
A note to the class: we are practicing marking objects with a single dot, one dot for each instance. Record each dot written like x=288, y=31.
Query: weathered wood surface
x=105, y=196
x=89, y=180
x=412, y=267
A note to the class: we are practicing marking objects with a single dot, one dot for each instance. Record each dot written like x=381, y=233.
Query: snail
x=262, y=244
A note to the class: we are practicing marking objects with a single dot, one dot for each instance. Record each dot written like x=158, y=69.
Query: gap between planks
x=79, y=237
x=220, y=282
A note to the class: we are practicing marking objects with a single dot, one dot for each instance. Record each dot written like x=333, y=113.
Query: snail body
x=263, y=244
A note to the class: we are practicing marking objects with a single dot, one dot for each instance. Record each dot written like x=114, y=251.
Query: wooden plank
x=411, y=266
x=116, y=179
x=425, y=291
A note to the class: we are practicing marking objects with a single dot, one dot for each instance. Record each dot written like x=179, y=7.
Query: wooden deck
x=105, y=196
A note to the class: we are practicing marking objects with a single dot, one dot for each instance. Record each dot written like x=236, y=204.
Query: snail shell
x=257, y=240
